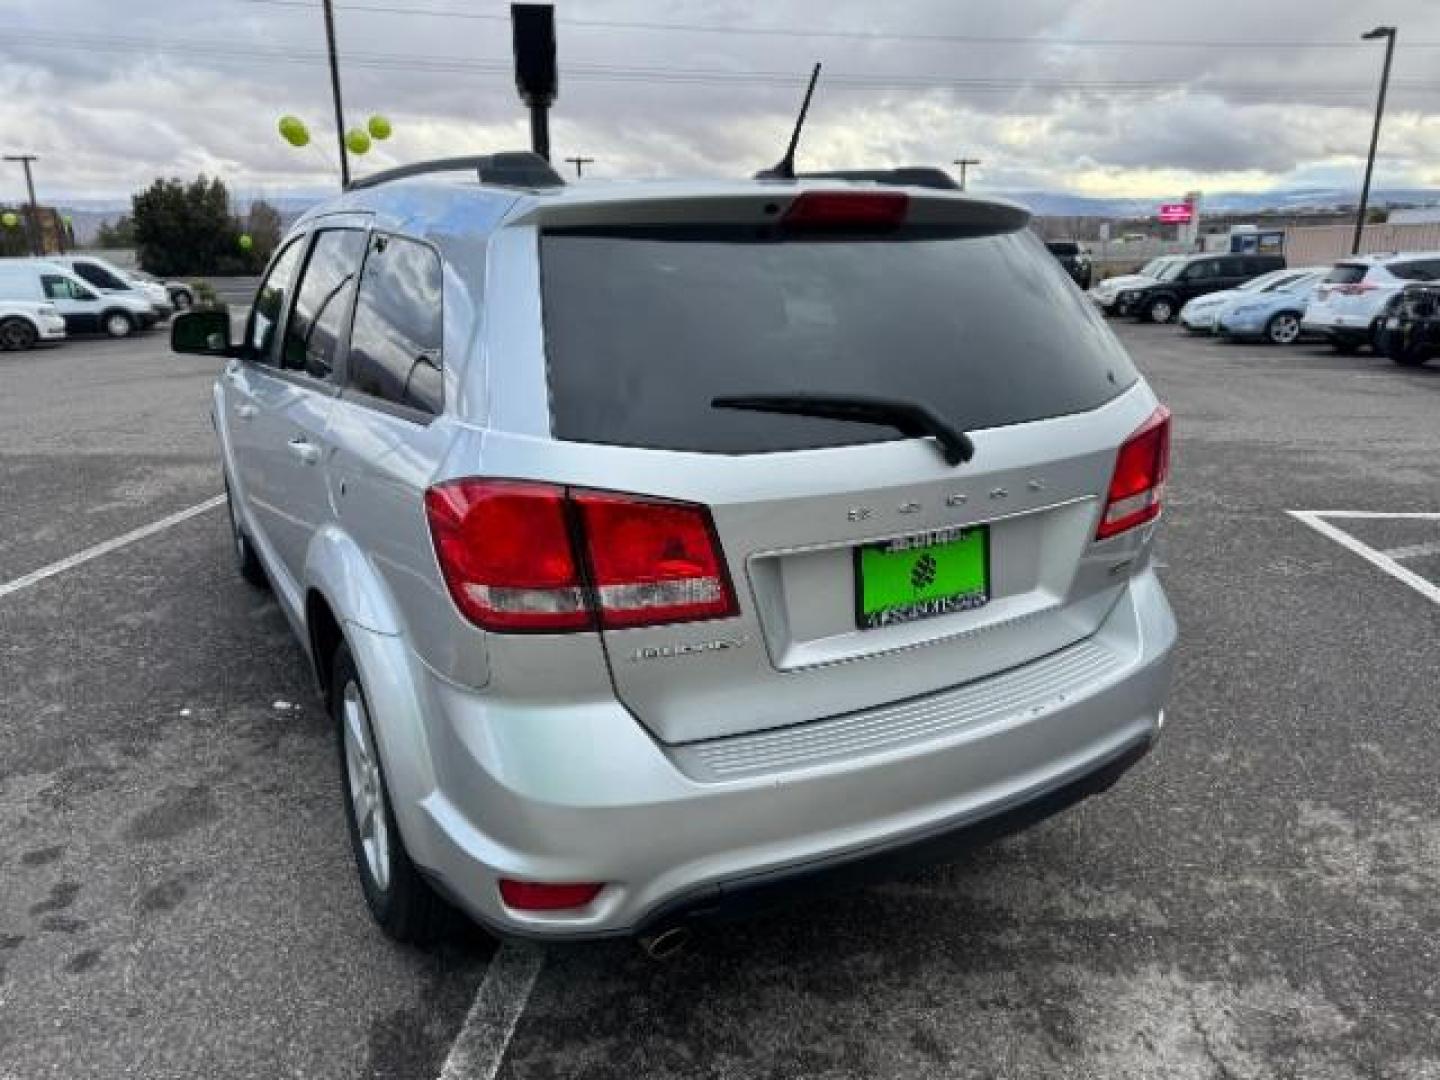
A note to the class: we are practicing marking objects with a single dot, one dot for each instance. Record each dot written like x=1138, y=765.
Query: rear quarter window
x=644, y=327
x=1346, y=274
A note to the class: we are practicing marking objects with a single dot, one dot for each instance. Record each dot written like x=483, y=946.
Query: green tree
x=119, y=233
x=262, y=225
x=13, y=238
x=185, y=229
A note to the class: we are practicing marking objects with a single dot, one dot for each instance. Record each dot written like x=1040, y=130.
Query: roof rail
x=512, y=168
x=907, y=175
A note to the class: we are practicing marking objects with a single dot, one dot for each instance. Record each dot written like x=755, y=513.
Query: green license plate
x=918, y=577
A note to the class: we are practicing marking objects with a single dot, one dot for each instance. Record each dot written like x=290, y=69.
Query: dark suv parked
x=1074, y=259
x=1191, y=277
x=1411, y=330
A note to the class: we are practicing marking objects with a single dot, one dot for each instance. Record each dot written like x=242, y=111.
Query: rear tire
x=16, y=335
x=247, y=559
x=1408, y=358
x=1283, y=328
x=1160, y=310
x=400, y=900
x=118, y=324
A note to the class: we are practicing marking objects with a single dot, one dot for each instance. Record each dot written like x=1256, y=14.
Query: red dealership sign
x=1177, y=213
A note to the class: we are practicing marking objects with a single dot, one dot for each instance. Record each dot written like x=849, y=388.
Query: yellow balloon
x=294, y=131
x=356, y=141
x=9, y=219
x=379, y=127
x=245, y=242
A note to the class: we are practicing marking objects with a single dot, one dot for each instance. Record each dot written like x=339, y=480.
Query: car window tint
x=645, y=326
x=269, y=304
x=98, y=276
x=395, y=341
x=1417, y=270
x=1202, y=271
x=1346, y=274
x=322, y=302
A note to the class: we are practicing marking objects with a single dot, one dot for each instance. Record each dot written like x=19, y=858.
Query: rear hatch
x=1349, y=296
x=866, y=567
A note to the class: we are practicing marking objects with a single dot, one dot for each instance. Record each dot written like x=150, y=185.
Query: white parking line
x=480, y=1047
x=108, y=546
x=1384, y=561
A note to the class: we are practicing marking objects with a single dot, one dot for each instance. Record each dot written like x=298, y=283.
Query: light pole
x=34, y=214
x=580, y=163
x=964, y=163
x=1388, y=33
x=335, y=91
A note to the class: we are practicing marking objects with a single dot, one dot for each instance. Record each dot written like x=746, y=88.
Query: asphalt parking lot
x=1261, y=898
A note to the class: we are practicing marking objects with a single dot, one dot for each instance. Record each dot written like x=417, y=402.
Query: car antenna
x=784, y=169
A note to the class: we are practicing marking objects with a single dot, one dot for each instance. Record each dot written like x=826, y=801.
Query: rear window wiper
x=906, y=417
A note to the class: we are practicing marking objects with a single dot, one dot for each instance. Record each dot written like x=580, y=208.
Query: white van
x=86, y=310
x=109, y=278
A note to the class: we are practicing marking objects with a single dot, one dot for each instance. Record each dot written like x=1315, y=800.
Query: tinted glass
x=1204, y=270
x=1063, y=248
x=97, y=275
x=322, y=302
x=1172, y=270
x=269, y=304
x=644, y=328
x=1346, y=274
x=1419, y=270
x=395, y=342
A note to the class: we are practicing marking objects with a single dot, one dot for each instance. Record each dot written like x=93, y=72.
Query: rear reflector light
x=847, y=210
x=1138, y=484
x=536, y=896
x=518, y=556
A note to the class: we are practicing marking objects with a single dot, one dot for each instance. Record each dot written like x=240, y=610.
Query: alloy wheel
x=365, y=787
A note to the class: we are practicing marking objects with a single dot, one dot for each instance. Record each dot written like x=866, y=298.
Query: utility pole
x=1388, y=33
x=335, y=91
x=964, y=163
x=33, y=217
x=580, y=163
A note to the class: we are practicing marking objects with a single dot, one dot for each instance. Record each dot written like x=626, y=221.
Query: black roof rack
x=513, y=168
x=907, y=175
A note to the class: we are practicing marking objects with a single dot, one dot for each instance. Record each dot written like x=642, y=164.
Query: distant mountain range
x=89, y=213
x=1058, y=204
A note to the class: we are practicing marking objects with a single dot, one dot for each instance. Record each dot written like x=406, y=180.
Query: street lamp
x=1388, y=33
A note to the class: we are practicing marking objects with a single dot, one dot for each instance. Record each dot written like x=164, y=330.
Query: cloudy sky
x=1097, y=97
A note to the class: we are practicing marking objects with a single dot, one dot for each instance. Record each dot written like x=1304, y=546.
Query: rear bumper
x=578, y=791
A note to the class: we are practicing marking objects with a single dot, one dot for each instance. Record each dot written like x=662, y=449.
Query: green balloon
x=68, y=219
x=294, y=131
x=10, y=219
x=245, y=242
x=356, y=141
x=379, y=127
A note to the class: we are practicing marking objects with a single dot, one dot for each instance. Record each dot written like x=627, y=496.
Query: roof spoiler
x=514, y=168
x=926, y=176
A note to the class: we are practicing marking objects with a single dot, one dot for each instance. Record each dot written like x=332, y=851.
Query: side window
x=98, y=276
x=62, y=288
x=322, y=302
x=1201, y=271
x=396, y=337
x=270, y=303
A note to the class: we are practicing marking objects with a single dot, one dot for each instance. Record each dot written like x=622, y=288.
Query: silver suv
x=659, y=547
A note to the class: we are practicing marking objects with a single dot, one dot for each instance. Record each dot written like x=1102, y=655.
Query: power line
x=853, y=35
x=1330, y=93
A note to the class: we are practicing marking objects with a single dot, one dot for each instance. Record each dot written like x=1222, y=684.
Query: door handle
x=245, y=412
x=306, y=451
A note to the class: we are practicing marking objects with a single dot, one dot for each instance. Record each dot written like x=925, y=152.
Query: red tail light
x=1359, y=288
x=520, y=556
x=1138, y=484
x=538, y=896
x=847, y=210
x=653, y=561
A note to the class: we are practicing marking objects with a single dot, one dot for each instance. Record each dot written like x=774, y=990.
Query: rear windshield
x=644, y=327
x=1346, y=274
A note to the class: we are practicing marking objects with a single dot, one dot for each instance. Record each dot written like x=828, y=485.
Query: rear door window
x=1346, y=274
x=645, y=326
x=395, y=343
x=322, y=303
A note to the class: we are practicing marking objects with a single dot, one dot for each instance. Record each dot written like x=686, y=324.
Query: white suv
x=1348, y=304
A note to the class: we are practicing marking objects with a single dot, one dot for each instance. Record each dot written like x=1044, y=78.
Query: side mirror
x=205, y=333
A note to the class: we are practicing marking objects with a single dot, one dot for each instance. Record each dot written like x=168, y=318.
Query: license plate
x=922, y=576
